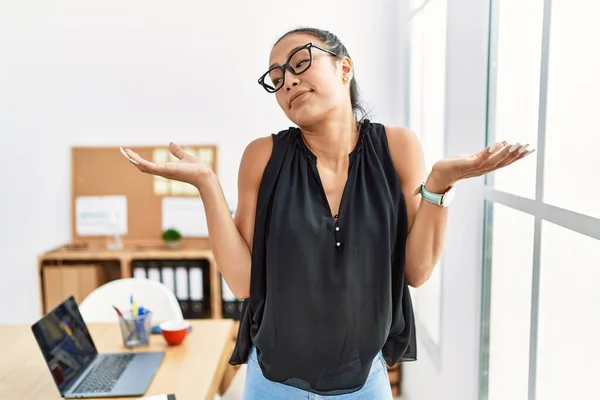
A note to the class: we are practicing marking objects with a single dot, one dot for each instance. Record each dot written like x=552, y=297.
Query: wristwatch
x=442, y=200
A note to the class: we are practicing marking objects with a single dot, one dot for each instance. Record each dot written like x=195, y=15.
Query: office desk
x=192, y=370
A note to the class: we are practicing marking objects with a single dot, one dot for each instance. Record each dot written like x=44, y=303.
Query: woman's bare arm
x=231, y=239
x=426, y=221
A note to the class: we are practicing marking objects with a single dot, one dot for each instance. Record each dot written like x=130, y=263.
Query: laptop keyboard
x=103, y=377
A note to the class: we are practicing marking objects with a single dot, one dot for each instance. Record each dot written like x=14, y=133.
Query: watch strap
x=431, y=197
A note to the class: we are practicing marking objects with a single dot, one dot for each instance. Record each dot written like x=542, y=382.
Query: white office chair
x=152, y=295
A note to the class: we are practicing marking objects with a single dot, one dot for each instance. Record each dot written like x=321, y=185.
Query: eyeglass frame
x=282, y=68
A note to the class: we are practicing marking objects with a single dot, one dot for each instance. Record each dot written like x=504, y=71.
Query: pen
x=122, y=318
x=140, y=323
x=119, y=313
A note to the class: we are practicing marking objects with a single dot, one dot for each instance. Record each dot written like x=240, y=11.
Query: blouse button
x=338, y=244
x=337, y=228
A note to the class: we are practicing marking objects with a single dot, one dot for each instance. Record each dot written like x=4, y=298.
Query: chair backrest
x=152, y=295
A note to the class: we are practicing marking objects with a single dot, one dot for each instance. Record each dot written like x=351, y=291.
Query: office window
x=517, y=88
x=572, y=128
x=416, y=4
x=426, y=118
x=569, y=315
x=541, y=287
x=510, y=292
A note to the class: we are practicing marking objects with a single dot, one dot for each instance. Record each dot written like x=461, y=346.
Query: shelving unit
x=79, y=270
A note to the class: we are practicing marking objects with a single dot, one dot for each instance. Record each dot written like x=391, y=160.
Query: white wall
x=454, y=373
x=147, y=72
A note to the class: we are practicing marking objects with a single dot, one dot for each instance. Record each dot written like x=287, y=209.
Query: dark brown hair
x=333, y=43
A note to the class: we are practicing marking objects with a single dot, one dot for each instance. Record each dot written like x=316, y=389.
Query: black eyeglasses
x=297, y=63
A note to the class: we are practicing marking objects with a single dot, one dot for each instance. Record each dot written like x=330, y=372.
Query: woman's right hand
x=189, y=169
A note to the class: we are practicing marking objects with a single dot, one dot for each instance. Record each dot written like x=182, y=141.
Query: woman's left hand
x=448, y=171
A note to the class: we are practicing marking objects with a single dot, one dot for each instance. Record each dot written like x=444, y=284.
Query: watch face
x=448, y=197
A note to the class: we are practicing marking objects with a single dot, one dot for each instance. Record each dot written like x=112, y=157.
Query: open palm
x=189, y=169
x=498, y=155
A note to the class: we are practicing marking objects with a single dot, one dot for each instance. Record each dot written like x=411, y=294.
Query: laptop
x=77, y=368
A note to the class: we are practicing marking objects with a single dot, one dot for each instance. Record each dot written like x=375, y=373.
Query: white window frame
x=573, y=221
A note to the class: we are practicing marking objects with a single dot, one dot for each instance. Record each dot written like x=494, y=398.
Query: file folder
x=167, y=274
x=189, y=280
x=199, y=278
x=231, y=306
x=139, y=269
x=153, y=271
x=182, y=288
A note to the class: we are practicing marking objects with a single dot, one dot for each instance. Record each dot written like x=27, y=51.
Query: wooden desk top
x=192, y=370
x=97, y=251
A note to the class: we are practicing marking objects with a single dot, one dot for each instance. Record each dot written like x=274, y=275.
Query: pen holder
x=136, y=329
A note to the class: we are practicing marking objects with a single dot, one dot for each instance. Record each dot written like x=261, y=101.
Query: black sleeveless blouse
x=328, y=292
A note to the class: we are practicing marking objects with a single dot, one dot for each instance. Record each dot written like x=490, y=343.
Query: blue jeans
x=258, y=387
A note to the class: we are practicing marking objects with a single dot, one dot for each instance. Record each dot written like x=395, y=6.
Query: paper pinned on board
x=172, y=157
x=160, y=155
x=177, y=188
x=206, y=155
x=101, y=215
x=192, y=151
x=166, y=187
x=161, y=186
x=186, y=214
x=189, y=190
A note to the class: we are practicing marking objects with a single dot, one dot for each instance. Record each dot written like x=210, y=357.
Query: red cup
x=174, y=332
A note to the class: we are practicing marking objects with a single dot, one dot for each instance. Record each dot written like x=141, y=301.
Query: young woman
x=333, y=222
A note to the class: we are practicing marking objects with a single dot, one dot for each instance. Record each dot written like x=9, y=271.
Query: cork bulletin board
x=103, y=174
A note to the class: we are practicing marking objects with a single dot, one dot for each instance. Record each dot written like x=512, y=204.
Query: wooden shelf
x=70, y=260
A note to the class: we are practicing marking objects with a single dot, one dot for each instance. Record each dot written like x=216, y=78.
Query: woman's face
x=309, y=97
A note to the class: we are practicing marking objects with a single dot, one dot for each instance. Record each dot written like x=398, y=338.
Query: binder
x=153, y=271
x=199, y=279
x=182, y=287
x=139, y=269
x=189, y=280
x=167, y=277
x=231, y=306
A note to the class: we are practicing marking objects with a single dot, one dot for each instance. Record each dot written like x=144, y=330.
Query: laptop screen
x=65, y=342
